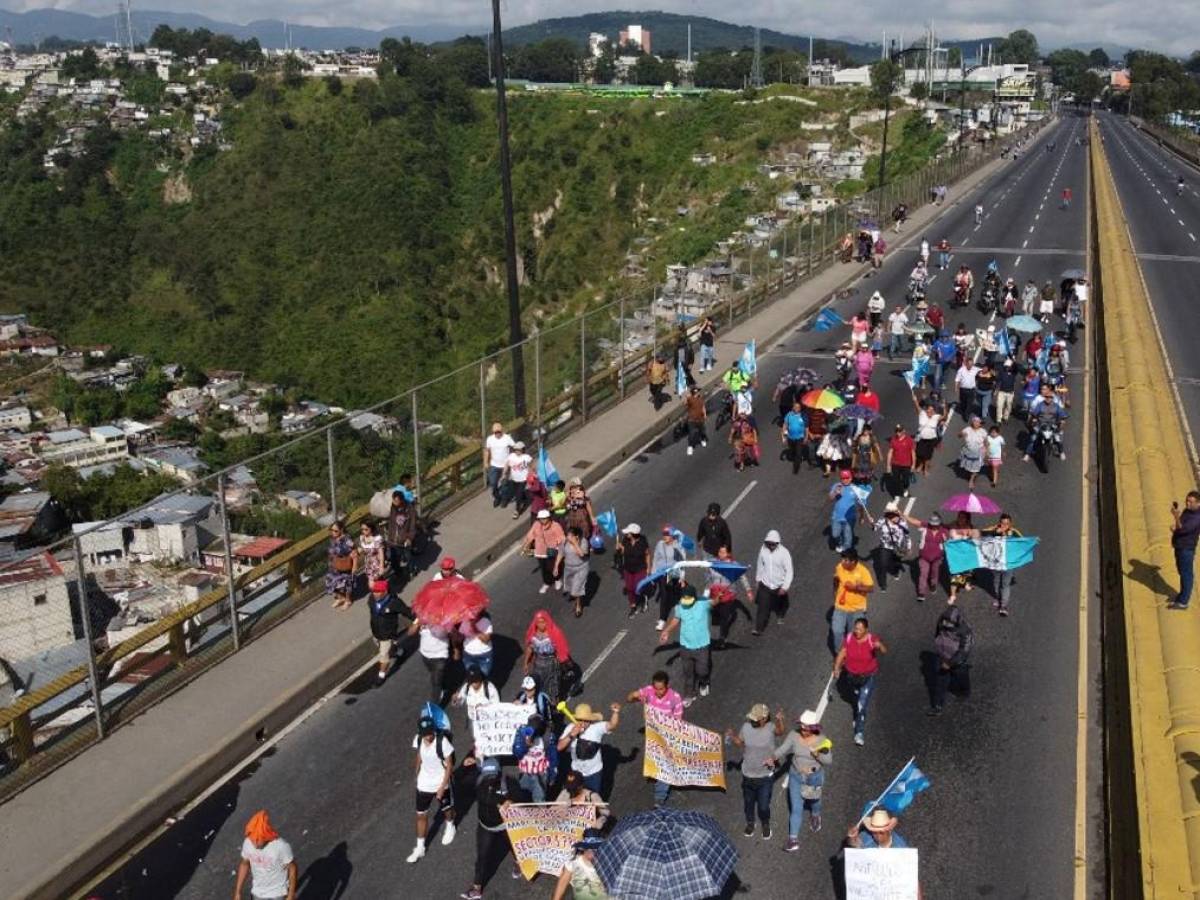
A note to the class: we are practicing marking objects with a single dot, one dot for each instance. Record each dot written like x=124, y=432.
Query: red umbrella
x=448, y=601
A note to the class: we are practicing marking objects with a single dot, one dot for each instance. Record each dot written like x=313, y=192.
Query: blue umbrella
x=731, y=571
x=1027, y=324
x=666, y=854
x=857, y=411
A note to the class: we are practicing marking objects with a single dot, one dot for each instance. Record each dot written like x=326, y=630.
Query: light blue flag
x=688, y=545
x=441, y=721
x=995, y=552
x=608, y=522
x=902, y=791
x=861, y=491
x=916, y=372
x=750, y=358
x=546, y=471
x=680, y=380
x=1003, y=342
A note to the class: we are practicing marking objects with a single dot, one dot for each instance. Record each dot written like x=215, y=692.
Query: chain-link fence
x=98, y=625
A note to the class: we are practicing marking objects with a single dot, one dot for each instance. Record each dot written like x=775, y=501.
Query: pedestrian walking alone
x=859, y=657
x=773, y=574
x=756, y=738
x=1185, y=530
x=952, y=643
x=267, y=862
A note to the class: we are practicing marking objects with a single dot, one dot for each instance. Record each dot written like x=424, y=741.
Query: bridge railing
x=92, y=628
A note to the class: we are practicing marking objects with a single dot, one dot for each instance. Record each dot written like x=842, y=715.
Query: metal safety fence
x=100, y=625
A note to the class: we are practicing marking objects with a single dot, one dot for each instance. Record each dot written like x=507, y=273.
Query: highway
x=1000, y=819
x=1165, y=228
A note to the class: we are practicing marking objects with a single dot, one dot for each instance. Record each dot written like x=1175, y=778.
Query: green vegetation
x=919, y=142
x=184, y=43
x=103, y=496
x=350, y=244
x=90, y=406
x=1159, y=85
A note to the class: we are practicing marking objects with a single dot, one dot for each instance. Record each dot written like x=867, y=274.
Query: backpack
x=441, y=725
x=585, y=749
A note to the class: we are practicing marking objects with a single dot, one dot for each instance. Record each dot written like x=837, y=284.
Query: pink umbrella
x=449, y=601
x=971, y=503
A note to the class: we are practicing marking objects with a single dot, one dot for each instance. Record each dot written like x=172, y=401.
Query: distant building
x=71, y=447
x=178, y=462
x=172, y=528
x=27, y=520
x=35, y=608
x=15, y=417
x=596, y=43
x=248, y=552
x=636, y=35
x=307, y=503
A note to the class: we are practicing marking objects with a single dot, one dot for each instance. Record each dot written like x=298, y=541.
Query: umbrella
x=919, y=328
x=448, y=601
x=797, y=376
x=1074, y=274
x=823, y=398
x=1026, y=324
x=731, y=571
x=971, y=503
x=666, y=854
x=857, y=411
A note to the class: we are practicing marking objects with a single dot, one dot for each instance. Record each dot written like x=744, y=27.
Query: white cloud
x=1169, y=25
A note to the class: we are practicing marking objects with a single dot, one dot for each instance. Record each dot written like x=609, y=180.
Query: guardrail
x=1188, y=149
x=1152, y=680
x=573, y=372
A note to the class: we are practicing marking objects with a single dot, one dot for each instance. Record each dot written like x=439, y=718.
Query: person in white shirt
x=875, y=307
x=495, y=454
x=965, y=380
x=584, y=736
x=925, y=251
x=434, y=647
x=433, y=764
x=516, y=470
x=897, y=322
x=477, y=649
x=268, y=862
x=476, y=691
x=774, y=576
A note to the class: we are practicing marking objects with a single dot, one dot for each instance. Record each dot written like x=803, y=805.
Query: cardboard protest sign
x=494, y=725
x=879, y=874
x=680, y=753
x=543, y=834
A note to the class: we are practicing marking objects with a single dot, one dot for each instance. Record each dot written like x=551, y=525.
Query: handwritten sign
x=494, y=725
x=879, y=874
x=543, y=834
x=680, y=753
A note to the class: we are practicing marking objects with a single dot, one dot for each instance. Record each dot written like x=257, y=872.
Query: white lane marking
x=740, y=497
x=1024, y=243
x=965, y=241
x=1017, y=263
x=1180, y=221
x=1192, y=236
x=1037, y=216
x=1031, y=229
x=909, y=505
x=604, y=654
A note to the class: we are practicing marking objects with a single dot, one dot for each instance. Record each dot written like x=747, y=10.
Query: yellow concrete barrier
x=1151, y=468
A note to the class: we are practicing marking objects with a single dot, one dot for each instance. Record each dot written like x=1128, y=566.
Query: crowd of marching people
x=968, y=387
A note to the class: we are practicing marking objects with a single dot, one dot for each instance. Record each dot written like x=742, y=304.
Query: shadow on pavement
x=326, y=878
x=1149, y=575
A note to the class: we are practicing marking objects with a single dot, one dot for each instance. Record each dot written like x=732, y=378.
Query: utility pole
x=510, y=235
x=756, y=75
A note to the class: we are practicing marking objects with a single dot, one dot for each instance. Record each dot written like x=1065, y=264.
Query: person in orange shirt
x=852, y=582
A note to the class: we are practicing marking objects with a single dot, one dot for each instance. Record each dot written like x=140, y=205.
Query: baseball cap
x=543, y=514
x=527, y=683
x=379, y=587
x=448, y=563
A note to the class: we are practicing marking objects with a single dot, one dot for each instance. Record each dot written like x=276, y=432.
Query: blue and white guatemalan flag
x=688, y=545
x=546, y=471
x=902, y=791
x=916, y=373
x=680, y=380
x=1004, y=342
x=607, y=521
x=1001, y=554
x=750, y=359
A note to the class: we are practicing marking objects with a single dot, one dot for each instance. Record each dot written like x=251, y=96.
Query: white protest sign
x=494, y=725
x=880, y=874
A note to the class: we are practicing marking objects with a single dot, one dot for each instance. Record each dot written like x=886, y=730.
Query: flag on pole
x=546, y=471
x=680, y=380
x=750, y=359
x=607, y=521
x=996, y=552
x=916, y=373
x=902, y=791
x=1004, y=342
x=688, y=545
x=861, y=492
x=826, y=696
x=827, y=320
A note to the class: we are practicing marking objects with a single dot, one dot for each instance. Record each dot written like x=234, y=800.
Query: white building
x=35, y=608
x=173, y=529
x=71, y=447
x=596, y=44
x=18, y=417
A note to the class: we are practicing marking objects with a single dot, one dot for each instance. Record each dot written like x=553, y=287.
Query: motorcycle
x=987, y=300
x=725, y=412
x=1047, y=441
x=960, y=296
x=916, y=291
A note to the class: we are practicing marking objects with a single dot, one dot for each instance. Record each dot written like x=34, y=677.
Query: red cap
x=846, y=475
x=380, y=586
x=448, y=564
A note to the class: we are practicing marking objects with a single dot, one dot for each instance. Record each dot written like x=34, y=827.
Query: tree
x=1019, y=47
x=604, y=66
x=1193, y=63
x=293, y=71
x=1098, y=58
x=554, y=60
x=885, y=77
x=1088, y=87
x=81, y=66
x=954, y=57
x=648, y=70
x=919, y=91
x=333, y=84
x=242, y=85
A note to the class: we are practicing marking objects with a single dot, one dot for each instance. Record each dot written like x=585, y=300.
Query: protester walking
x=757, y=741
x=970, y=456
x=579, y=875
x=575, y=793
x=1002, y=579
x=708, y=334
x=536, y=752
x=544, y=541
x=773, y=575
x=659, y=696
x=726, y=605
x=267, y=862
x=517, y=469
x=859, y=657
x=434, y=647
x=667, y=552
x=572, y=567
x=546, y=652
x=881, y=832
x=585, y=737
x=495, y=454
x=897, y=323
x=343, y=561
x=994, y=453
x=852, y=583
x=931, y=553
x=433, y=764
x=899, y=464
x=1185, y=530
x=695, y=416
x=713, y=533
x=632, y=557
x=491, y=838
x=385, y=609
x=892, y=531
x=811, y=754
x=929, y=433
x=657, y=375
x=1006, y=387
x=843, y=514
x=953, y=639
x=372, y=552
x=693, y=617
x=794, y=433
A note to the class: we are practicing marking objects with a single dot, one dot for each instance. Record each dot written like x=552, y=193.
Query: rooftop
x=29, y=570
x=261, y=547
x=66, y=436
x=107, y=431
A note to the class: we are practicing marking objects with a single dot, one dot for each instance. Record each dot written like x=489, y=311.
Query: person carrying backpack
x=584, y=736
x=433, y=764
x=952, y=643
x=536, y=752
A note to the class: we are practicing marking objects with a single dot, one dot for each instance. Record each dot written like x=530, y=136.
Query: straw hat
x=759, y=712
x=585, y=713
x=881, y=820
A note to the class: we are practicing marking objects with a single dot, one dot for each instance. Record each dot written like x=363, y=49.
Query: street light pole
x=510, y=236
x=887, y=109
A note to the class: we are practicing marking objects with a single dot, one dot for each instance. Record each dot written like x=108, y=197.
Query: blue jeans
x=662, y=790
x=534, y=786
x=493, y=481
x=1185, y=562
x=483, y=662
x=985, y=400
x=592, y=782
x=708, y=356
x=756, y=793
x=939, y=373
x=943, y=259
x=798, y=805
x=895, y=344
x=1002, y=587
x=842, y=531
x=860, y=706
x=840, y=625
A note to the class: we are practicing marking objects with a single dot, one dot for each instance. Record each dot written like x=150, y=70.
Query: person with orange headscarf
x=267, y=860
x=546, y=652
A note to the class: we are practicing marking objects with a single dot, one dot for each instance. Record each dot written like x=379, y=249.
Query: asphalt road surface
x=999, y=819
x=1165, y=227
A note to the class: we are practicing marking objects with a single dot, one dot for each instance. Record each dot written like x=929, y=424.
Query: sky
x=1171, y=26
